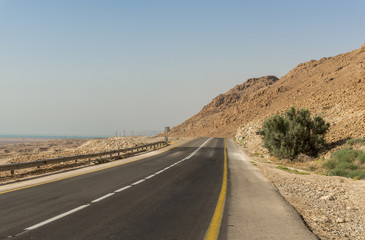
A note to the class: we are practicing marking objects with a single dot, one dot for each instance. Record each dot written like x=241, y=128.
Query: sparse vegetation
x=354, y=141
x=291, y=170
x=240, y=141
x=347, y=163
x=257, y=154
x=294, y=132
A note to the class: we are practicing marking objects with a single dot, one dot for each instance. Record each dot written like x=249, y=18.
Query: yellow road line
x=59, y=179
x=215, y=224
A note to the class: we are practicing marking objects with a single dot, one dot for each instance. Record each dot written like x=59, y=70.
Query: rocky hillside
x=332, y=87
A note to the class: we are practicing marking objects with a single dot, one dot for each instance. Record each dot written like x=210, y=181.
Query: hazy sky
x=88, y=67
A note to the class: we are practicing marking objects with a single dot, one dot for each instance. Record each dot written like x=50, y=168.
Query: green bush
x=294, y=132
x=348, y=173
x=347, y=163
x=353, y=141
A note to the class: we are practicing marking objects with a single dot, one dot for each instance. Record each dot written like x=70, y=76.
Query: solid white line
x=159, y=172
x=102, y=198
x=56, y=217
x=122, y=189
x=138, y=182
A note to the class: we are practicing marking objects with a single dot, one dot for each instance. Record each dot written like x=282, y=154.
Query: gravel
x=333, y=207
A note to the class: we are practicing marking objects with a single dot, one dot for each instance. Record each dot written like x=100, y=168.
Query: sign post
x=167, y=129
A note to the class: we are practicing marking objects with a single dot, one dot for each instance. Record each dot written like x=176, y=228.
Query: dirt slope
x=332, y=87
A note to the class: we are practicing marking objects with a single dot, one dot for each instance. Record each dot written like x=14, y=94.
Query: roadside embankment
x=333, y=207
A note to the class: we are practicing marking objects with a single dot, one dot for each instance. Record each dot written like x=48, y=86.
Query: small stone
x=321, y=219
x=340, y=220
x=328, y=197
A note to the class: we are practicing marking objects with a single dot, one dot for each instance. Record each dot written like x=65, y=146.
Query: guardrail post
x=12, y=172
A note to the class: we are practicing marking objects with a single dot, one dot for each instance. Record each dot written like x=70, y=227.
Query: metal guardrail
x=115, y=153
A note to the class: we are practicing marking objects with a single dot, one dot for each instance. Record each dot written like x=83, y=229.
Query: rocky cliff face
x=332, y=87
x=223, y=114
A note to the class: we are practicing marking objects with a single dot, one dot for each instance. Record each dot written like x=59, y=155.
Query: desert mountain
x=333, y=88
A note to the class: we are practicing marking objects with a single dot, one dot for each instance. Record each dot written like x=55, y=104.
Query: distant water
x=48, y=136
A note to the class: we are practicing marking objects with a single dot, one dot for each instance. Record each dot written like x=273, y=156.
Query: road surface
x=172, y=195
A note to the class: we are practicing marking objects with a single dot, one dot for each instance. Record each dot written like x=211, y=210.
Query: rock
x=340, y=220
x=328, y=197
x=321, y=219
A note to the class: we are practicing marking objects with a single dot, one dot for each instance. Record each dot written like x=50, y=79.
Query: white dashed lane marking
x=57, y=217
x=122, y=189
x=103, y=197
x=111, y=194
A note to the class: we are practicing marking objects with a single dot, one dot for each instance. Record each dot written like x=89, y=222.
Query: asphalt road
x=177, y=194
x=172, y=195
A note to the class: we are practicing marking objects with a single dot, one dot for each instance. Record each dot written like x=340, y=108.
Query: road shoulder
x=256, y=208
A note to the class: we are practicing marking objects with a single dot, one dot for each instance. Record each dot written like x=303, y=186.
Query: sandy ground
x=28, y=149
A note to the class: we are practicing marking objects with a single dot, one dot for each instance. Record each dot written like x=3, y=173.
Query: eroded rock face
x=332, y=87
x=233, y=97
x=222, y=115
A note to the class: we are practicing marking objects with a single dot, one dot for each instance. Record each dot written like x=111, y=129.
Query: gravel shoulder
x=333, y=207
